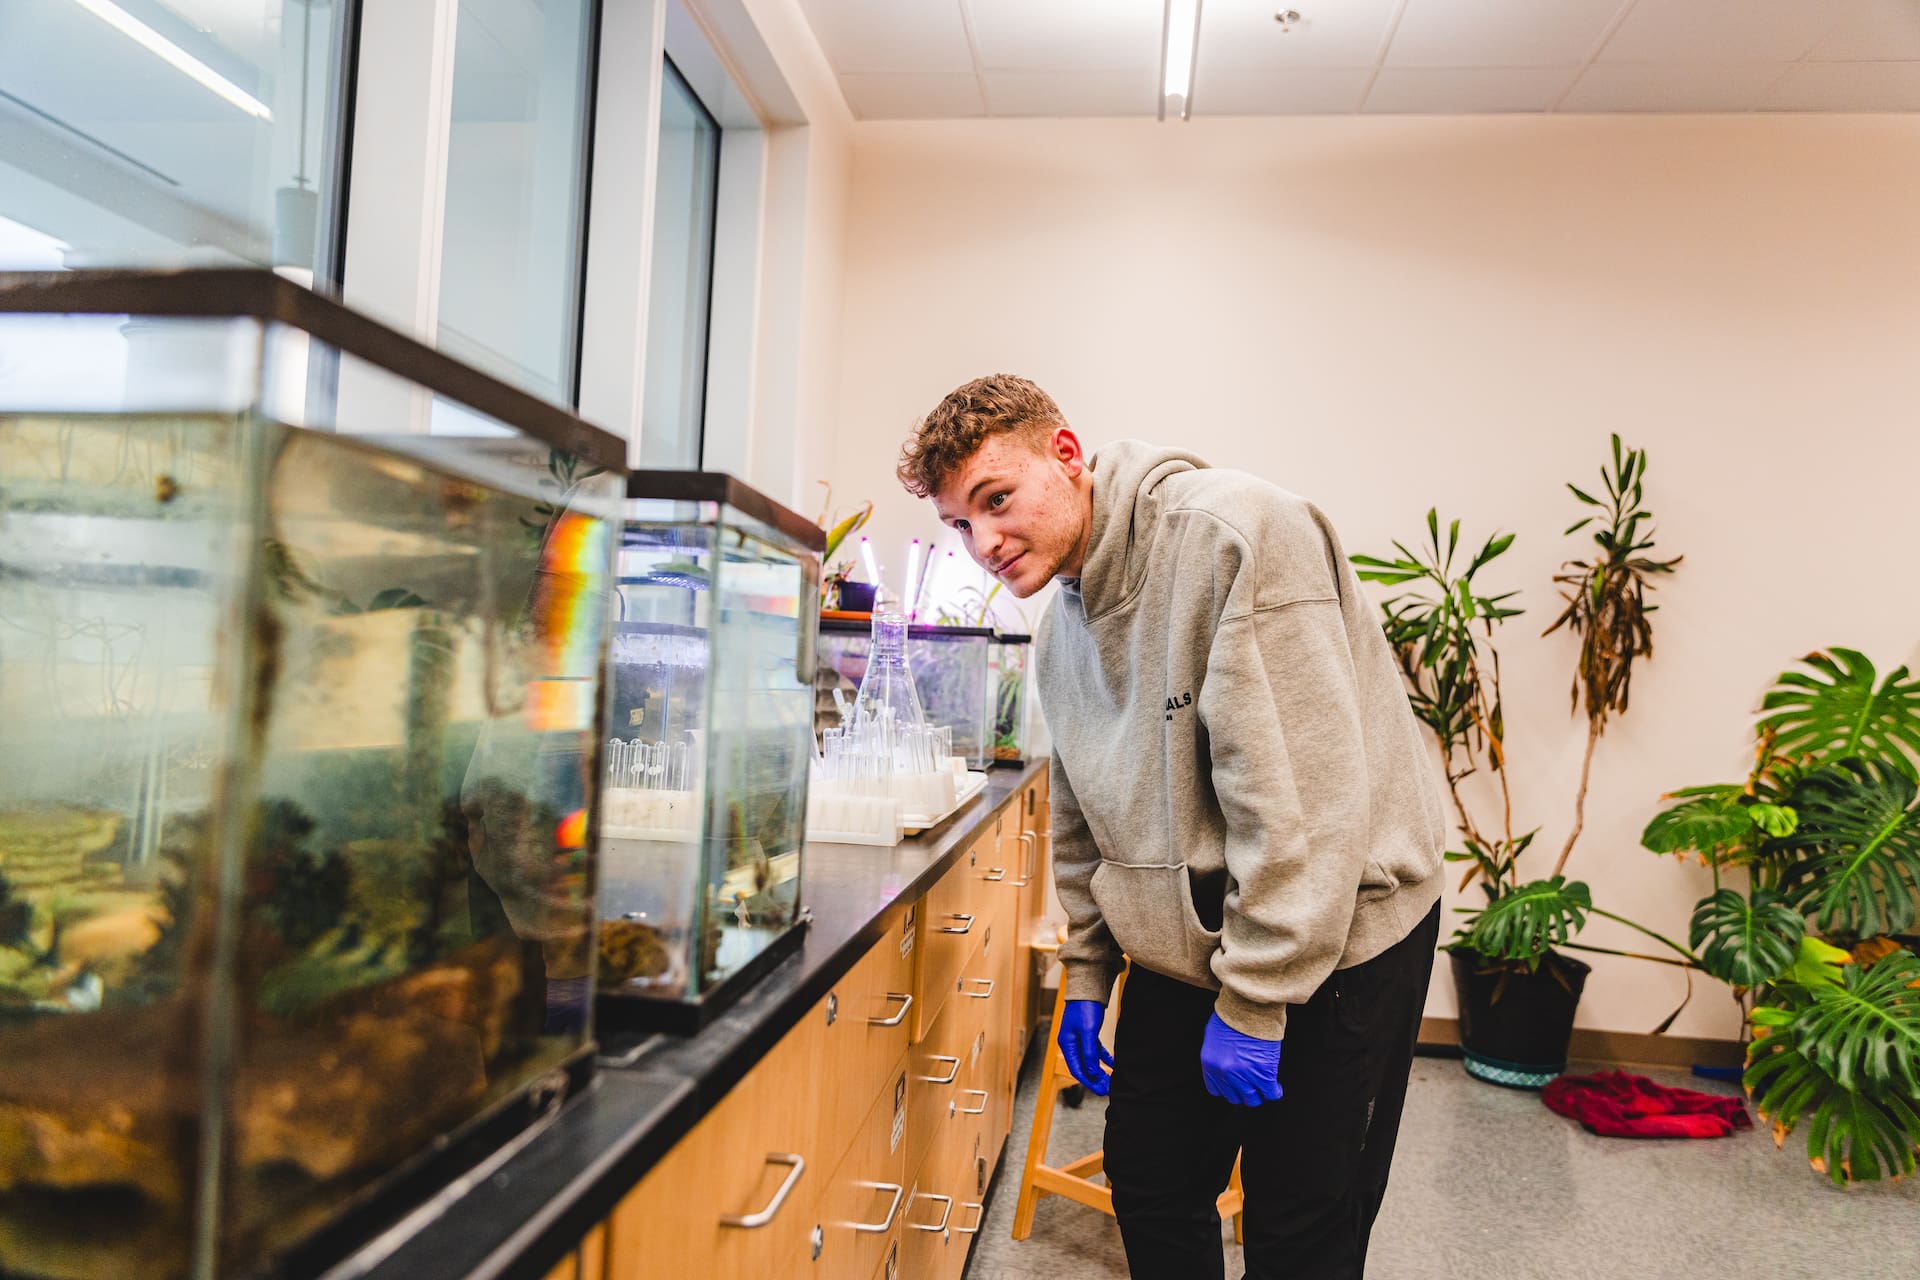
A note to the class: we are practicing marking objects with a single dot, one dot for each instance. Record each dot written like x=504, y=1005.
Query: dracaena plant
x=1442, y=626
x=1816, y=866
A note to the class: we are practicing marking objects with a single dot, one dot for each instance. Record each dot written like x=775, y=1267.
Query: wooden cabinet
x=861, y=1145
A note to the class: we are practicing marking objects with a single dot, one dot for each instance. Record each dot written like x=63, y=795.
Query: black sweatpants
x=1314, y=1163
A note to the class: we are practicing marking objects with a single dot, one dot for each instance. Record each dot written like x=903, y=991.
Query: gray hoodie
x=1241, y=795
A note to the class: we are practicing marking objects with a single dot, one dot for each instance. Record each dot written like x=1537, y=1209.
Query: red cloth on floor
x=1614, y=1104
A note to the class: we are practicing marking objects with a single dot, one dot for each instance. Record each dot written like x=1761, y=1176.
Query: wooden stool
x=1074, y=1180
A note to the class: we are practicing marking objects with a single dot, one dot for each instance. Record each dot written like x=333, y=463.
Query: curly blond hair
x=962, y=422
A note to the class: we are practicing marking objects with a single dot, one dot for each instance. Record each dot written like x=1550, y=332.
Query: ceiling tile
x=1671, y=88
x=1849, y=86
x=1467, y=90
x=1748, y=31
x=1073, y=93
x=1077, y=35
x=1294, y=91
x=1499, y=33
x=1874, y=31
x=887, y=95
x=1241, y=35
x=885, y=35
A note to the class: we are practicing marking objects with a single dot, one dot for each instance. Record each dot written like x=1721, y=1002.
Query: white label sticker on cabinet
x=899, y=1113
x=906, y=932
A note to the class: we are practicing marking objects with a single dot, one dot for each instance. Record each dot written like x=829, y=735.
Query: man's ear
x=1065, y=449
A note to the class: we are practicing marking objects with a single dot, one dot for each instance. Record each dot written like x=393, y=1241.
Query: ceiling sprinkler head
x=1288, y=19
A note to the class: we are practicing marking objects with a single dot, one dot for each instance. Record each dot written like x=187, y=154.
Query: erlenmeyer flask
x=887, y=695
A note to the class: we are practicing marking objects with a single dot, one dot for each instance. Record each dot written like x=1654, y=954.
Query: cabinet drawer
x=737, y=1195
x=934, y=1070
x=862, y=1201
x=951, y=920
x=865, y=1042
x=930, y=1248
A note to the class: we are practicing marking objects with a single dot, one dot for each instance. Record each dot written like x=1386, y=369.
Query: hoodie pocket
x=1149, y=911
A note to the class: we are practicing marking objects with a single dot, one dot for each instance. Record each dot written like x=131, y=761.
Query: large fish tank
x=701, y=824
x=300, y=720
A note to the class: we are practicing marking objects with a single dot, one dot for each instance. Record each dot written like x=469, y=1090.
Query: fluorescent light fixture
x=173, y=55
x=1180, y=42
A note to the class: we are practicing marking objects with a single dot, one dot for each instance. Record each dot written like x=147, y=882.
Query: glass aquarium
x=300, y=718
x=1007, y=665
x=949, y=669
x=702, y=819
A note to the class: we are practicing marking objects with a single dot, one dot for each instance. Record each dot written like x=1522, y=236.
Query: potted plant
x=1518, y=991
x=837, y=589
x=1817, y=943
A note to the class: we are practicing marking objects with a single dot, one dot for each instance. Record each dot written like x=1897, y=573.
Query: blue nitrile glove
x=1243, y=1069
x=1080, y=1043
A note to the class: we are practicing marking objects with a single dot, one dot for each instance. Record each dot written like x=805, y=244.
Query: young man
x=1242, y=804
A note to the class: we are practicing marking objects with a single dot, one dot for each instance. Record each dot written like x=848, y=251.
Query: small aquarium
x=701, y=821
x=949, y=669
x=300, y=722
x=1008, y=661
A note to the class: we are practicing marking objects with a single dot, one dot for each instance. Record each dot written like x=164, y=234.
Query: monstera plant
x=1816, y=869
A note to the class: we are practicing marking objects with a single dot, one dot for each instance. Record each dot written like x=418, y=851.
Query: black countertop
x=520, y=1218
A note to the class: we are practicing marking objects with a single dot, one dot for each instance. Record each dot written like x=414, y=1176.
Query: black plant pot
x=856, y=597
x=1515, y=1025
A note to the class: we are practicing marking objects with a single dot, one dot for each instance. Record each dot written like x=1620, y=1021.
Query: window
x=680, y=290
x=142, y=132
x=515, y=226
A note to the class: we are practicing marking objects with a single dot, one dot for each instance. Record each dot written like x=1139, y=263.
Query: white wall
x=1386, y=314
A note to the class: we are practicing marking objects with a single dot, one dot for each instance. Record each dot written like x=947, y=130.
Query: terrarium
x=949, y=669
x=300, y=715
x=702, y=819
x=1007, y=665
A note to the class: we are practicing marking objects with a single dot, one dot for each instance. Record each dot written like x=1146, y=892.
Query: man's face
x=1023, y=515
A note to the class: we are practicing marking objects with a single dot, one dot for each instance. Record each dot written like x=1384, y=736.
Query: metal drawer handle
x=875, y=1228
x=762, y=1218
x=906, y=1003
x=945, y=1213
x=956, y=915
x=974, y=1111
x=953, y=1072
x=979, y=1212
x=995, y=875
x=980, y=995
x=1029, y=842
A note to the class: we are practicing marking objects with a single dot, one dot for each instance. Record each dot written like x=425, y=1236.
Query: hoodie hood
x=1127, y=476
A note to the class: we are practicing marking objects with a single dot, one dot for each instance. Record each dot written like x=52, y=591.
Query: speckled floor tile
x=1490, y=1185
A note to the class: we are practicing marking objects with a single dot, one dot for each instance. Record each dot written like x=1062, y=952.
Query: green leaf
x=1859, y=841
x=1777, y=820
x=1745, y=943
x=1577, y=526
x=1864, y=1031
x=1837, y=711
x=1584, y=496
x=1523, y=923
x=1853, y=1134
x=1817, y=964
x=1495, y=545
x=1706, y=819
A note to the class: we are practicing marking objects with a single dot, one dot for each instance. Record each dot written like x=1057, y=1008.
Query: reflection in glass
x=680, y=290
x=136, y=132
x=516, y=191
